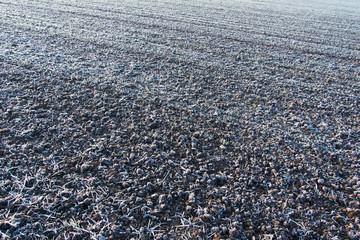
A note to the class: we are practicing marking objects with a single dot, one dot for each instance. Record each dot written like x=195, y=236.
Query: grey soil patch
x=169, y=120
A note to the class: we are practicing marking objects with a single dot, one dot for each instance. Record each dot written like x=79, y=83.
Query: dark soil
x=179, y=120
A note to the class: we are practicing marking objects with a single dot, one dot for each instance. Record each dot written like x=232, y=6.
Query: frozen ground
x=179, y=119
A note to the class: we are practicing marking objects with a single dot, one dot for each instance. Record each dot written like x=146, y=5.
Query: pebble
x=191, y=198
x=86, y=167
x=234, y=233
x=162, y=199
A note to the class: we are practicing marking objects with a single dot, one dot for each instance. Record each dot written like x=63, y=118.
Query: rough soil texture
x=179, y=119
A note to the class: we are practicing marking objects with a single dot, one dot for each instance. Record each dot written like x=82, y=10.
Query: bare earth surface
x=179, y=119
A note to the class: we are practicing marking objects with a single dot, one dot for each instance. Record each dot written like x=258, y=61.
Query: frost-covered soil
x=179, y=119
